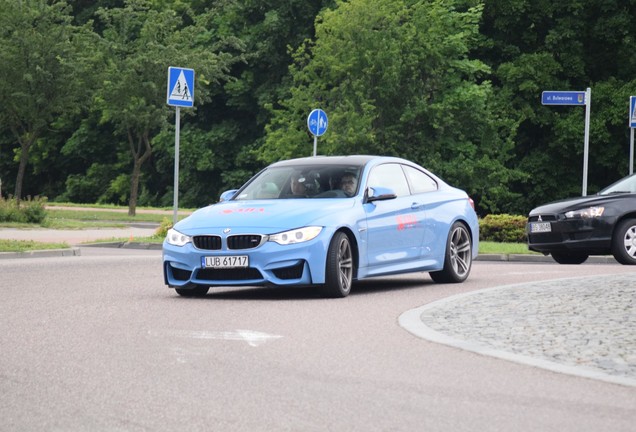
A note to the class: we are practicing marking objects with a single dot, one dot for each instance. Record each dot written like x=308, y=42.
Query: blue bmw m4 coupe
x=325, y=222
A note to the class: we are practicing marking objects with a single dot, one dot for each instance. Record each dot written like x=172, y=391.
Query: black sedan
x=601, y=224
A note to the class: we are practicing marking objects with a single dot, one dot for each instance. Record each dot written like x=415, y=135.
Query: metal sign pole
x=588, y=103
x=631, y=151
x=315, y=144
x=177, y=128
x=179, y=93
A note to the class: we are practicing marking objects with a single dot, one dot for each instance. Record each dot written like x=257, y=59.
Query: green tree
x=43, y=72
x=396, y=78
x=562, y=46
x=139, y=43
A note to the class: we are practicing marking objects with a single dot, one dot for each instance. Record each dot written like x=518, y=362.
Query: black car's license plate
x=225, y=261
x=540, y=227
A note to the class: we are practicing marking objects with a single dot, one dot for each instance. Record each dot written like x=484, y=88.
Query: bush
x=9, y=211
x=162, y=231
x=34, y=210
x=29, y=211
x=503, y=228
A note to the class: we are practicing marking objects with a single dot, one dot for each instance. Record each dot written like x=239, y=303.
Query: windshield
x=625, y=185
x=302, y=181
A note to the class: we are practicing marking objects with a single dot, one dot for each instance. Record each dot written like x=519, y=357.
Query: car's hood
x=260, y=216
x=578, y=203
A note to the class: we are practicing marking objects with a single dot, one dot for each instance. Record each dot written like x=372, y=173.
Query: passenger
x=298, y=185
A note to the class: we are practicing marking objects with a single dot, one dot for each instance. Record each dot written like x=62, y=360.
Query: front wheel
x=458, y=258
x=624, y=242
x=339, y=271
x=569, y=257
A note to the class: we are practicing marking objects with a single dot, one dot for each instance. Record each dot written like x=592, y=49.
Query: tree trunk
x=143, y=142
x=24, y=159
x=134, y=188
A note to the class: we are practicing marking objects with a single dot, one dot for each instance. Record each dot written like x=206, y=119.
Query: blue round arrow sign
x=317, y=122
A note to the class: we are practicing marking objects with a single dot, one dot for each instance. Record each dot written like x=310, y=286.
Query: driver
x=348, y=184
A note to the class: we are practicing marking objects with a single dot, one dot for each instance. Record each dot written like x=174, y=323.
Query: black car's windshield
x=625, y=185
x=303, y=181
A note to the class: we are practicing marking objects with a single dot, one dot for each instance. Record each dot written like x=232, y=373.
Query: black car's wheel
x=624, y=242
x=569, y=257
x=339, y=276
x=198, y=291
x=458, y=258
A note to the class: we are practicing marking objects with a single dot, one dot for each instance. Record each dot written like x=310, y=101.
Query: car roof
x=332, y=160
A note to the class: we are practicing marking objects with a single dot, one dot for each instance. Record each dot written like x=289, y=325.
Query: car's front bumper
x=270, y=263
x=593, y=236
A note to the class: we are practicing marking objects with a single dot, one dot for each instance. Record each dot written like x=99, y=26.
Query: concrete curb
x=126, y=245
x=42, y=253
x=75, y=251
x=540, y=258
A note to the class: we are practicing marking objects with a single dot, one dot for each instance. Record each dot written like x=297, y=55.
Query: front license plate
x=233, y=261
x=540, y=227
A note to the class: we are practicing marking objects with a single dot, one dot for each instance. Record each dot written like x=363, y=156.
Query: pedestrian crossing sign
x=180, y=90
x=632, y=112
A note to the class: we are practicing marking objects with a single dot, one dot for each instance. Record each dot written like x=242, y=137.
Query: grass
x=488, y=247
x=28, y=246
x=86, y=216
x=22, y=245
x=102, y=216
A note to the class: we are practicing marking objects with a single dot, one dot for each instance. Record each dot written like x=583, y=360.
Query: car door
x=424, y=200
x=395, y=227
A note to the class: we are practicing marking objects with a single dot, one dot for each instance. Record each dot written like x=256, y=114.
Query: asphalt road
x=97, y=342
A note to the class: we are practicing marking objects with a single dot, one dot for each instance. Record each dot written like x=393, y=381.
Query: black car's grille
x=293, y=272
x=237, y=274
x=207, y=242
x=545, y=238
x=544, y=218
x=247, y=241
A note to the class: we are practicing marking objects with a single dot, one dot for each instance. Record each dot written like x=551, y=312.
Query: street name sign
x=581, y=98
x=563, y=98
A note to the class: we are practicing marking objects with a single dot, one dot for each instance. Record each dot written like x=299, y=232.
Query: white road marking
x=253, y=338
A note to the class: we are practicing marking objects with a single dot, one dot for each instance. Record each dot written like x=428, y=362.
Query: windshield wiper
x=617, y=192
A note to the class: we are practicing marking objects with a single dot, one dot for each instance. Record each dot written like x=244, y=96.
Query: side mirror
x=228, y=195
x=379, y=194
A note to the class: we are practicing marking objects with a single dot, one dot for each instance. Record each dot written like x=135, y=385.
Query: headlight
x=175, y=238
x=296, y=236
x=590, y=212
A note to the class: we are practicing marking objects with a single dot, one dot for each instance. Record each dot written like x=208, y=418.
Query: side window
x=389, y=176
x=419, y=181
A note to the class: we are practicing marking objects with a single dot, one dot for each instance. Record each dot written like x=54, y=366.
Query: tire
x=458, y=258
x=569, y=257
x=197, y=291
x=624, y=242
x=339, y=267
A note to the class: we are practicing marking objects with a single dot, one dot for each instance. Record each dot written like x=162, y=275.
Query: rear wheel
x=339, y=271
x=624, y=242
x=458, y=258
x=569, y=257
x=198, y=291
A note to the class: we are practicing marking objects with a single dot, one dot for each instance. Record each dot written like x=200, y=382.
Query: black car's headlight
x=175, y=238
x=296, y=235
x=590, y=212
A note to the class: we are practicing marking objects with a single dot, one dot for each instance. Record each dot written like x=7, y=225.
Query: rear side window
x=419, y=181
x=389, y=176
